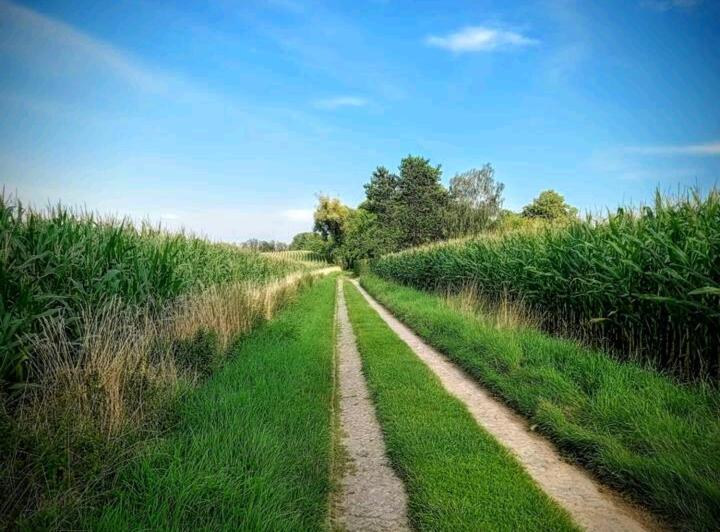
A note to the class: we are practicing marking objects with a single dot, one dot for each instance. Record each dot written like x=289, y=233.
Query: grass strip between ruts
x=639, y=430
x=458, y=477
x=252, y=450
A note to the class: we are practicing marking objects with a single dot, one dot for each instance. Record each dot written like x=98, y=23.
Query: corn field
x=60, y=264
x=643, y=283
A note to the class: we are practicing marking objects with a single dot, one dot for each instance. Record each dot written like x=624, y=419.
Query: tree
x=475, y=201
x=381, y=192
x=330, y=218
x=549, y=205
x=264, y=245
x=308, y=241
x=365, y=238
x=383, y=202
x=421, y=202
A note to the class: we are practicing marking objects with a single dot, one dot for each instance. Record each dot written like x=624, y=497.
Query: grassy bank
x=638, y=430
x=252, y=448
x=645, y=283
x=104, y=326
x=457, y=476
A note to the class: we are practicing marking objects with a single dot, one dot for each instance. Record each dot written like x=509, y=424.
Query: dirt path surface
x=592, y=505
x=371, y=495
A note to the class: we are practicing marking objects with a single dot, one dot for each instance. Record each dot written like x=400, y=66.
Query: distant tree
x=264, y=245
x=421, y=202
x=549, y=205
x=381, y=192
x=383, y=202
x=308, y=241
x=365, y=238
x=475, y=201
x=330, y=218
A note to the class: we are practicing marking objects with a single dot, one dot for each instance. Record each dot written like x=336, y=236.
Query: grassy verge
x=252, y=448
x=457, y=476
x=103, y=326
x=637, y=429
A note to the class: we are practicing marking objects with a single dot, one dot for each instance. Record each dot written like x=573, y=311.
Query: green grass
x=457, y=476
x=639, y=430
x=645, y=283
x=252, y=449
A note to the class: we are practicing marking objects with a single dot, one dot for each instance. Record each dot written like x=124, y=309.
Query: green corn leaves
x=647, y=281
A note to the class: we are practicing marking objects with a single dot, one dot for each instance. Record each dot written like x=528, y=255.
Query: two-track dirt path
x=372, y=497
x=592, y=505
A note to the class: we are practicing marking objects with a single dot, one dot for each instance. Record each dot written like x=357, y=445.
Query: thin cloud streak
x=704, y=149
x=340, y=101
x=26, y=22
x=480, y=39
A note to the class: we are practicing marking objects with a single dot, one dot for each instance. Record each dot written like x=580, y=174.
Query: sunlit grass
x=640, y=431
x=457, y=475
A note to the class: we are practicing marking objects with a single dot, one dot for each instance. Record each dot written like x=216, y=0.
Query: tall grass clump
x=643, y=283
x=103, y=326
x=58, y=263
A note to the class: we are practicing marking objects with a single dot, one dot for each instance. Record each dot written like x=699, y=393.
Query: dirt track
x=591, y=505
x=371, y=498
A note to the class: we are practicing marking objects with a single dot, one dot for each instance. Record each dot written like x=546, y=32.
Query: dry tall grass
x=91, y=399
x=500, y=312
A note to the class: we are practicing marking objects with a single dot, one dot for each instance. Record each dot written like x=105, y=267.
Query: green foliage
x=59, y=264
x=264, y=246
x=331, y=218
x=457, y=475
x=404, y=210
x=421, y=202
x=643, y=283
x=549, y=205
x=639, y=430
x=251, y=449
x=363, y=238
x=475, y=202
x=382, y=194
x=308, y=241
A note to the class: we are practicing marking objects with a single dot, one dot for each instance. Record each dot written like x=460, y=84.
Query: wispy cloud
x=704, y=149
x=298, y=215
x=666, y=5
x=36, y=32
x=480, y=39
x=340, y=101
x=50, y=47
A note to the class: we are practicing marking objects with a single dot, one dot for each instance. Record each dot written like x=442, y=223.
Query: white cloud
x=340, y=101
x=169, y=216
x=298, y=215
x=704, y=149
x=480, y=39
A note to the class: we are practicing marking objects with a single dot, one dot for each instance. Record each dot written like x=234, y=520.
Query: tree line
x=412, y=207
x=264, y=245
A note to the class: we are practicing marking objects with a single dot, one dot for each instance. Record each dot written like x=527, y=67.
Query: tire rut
x=592, y=505
x=371, y=497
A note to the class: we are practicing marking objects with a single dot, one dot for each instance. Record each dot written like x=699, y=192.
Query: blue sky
x=229, y=117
